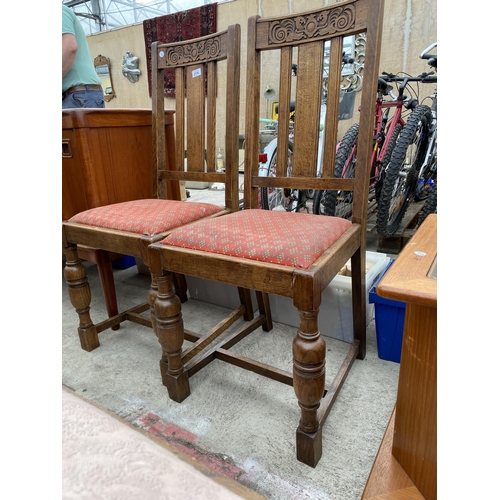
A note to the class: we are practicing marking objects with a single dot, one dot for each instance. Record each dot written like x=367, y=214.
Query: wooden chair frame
x=198, y=132
x=307, y=32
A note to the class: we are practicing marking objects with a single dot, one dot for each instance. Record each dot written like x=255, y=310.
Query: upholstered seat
x=262, y=235
x=148, y=217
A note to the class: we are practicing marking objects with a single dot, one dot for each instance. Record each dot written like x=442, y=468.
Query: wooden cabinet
x=406, y=465
x=107, y=157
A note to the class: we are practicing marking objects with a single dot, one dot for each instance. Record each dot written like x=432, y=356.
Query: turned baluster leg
x=80, y=296
x=169, y=328
x=152, y=294
x=309, y=354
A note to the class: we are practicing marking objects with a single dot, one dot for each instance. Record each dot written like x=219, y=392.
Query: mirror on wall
x=103, y=68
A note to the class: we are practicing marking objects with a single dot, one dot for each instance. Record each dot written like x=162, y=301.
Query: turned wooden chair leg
x=169, y=328
x=80, y=296
x=309, y=353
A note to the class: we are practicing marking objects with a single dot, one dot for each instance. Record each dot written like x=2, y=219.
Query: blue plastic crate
x=389, y=323
x=123, y=262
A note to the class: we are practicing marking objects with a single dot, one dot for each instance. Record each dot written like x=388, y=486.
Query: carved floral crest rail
x=318, y=24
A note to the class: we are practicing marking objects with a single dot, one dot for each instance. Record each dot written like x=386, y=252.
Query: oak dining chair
x=128, y=228
x=291, y=254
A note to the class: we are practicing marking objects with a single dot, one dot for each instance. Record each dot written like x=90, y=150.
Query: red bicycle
x=387, y=128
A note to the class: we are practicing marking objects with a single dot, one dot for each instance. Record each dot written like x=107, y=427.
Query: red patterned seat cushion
x=290, y=239
x=147, y=217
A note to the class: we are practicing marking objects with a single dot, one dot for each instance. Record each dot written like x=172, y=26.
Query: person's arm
x=69, y=50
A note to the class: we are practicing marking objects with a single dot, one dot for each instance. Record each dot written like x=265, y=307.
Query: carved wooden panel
x=171, y=57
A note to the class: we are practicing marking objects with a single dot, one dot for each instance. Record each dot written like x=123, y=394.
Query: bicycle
x=387, y=129
x=427, y=187
x=412, y=170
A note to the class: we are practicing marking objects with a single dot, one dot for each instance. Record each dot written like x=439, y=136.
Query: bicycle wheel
x=430, y=205
x=427, y=178
x=401, y=173
x=335, y=203
x=280, y=198
x=379, y=181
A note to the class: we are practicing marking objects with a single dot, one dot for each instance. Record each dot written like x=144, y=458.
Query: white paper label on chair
x=196, y=72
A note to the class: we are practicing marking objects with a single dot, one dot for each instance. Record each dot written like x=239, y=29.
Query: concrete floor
x=237, y=423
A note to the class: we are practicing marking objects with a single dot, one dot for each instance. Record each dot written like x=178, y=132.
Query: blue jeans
x=84, y=99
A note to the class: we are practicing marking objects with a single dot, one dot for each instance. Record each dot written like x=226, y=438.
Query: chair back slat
x=308, y=108
x=180, y=119
x=211, y=115
x=195, y=85
x=201, y=106
x=332, y=107
x=285, y=97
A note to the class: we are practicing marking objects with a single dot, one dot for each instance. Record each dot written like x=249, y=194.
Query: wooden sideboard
x=406, y=464
x=107, y=157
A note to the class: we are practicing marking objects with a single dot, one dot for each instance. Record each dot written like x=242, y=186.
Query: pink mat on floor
x=106, y=457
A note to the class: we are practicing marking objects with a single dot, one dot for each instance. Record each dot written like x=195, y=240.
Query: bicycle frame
x=380, y=136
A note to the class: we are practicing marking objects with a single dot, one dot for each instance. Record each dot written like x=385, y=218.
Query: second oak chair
x=290, y=254
x=129, y=227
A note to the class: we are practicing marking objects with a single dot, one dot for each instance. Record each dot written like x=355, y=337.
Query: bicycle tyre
x=325, y=202
x=427, y=178
x=402, y=171
x=430, y=205
x=272, y=198
x=377, y=187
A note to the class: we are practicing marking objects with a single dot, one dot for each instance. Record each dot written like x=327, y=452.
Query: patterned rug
x=176, y=27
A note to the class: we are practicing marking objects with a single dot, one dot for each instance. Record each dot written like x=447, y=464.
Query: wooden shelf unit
x=406, y=464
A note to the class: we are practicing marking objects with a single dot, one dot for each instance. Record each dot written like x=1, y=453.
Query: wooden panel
x=387, y=479
x=415, y=427
x=73, y=196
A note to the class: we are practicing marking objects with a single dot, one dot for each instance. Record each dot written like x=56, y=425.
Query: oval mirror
x=103, y=68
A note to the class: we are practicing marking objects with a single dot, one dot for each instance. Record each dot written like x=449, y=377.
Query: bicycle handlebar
x=431, y=58
x=424, y=54
x=423, y=78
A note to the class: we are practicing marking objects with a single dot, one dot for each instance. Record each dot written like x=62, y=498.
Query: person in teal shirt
x=81, y=87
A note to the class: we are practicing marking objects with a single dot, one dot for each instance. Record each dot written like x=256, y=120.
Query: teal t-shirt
x=82, y=72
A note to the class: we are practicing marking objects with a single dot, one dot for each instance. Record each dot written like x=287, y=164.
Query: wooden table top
x=412, y=278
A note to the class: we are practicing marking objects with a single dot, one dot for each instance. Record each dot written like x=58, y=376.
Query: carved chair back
x=313, y=43
x=199, y=101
